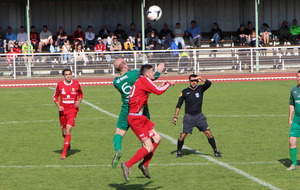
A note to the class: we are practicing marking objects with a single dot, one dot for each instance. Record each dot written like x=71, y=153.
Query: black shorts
x=196, y=120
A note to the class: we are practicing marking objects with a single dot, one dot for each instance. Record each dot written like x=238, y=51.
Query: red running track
x=10, y=83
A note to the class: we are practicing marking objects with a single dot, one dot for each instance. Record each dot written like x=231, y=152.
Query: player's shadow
x=70, y=152
x=125, y=185
x=287, y=162
x=185, y=152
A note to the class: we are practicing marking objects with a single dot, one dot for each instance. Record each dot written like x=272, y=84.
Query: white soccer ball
x=154, y=13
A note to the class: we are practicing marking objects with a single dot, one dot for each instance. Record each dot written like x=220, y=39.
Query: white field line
x=174, y=164
x=109, y=83
x=257, y=180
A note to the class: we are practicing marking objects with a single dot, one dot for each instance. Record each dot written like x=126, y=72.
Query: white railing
x=96, y=63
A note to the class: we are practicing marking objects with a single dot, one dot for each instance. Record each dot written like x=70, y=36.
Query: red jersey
x=100, y=48
x=69, y=93
x=34, y=37
x=140, y=92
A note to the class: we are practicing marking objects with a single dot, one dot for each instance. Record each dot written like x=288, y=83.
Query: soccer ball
x=154, y=13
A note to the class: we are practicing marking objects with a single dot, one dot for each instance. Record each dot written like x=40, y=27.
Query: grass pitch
x=249, y=121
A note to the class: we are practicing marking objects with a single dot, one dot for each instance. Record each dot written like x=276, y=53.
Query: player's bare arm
x=202, y=79
x=60, y=108
x=292, y=108
x=175, y=118
x=77, y=103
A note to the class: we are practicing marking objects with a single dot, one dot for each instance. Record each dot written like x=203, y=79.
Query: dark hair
x=192, y=75
x=63, y=72
x=90, y=26
x=265, y=25
x=177, y=23
x=144, y=69
x=294, y=20
x=45, y=26
x=9, y=27
x=299, y=71
x=32, y=27
x=193, y=21
x=249, y=22
x=132, y=24
x=21, y=26
x=78, y=26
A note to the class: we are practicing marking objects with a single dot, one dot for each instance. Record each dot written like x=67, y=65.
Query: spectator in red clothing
x=61, y=36
x=100, y=47
x=17, y=48
x=10, y=57
x=34, y=38
x=78, y=36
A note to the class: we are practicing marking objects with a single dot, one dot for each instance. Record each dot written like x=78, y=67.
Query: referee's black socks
x=212, y=143
x=179, y=145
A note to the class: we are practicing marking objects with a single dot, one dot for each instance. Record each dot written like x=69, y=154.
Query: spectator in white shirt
x=89, y=38
x=22, y=36
x=179, y=33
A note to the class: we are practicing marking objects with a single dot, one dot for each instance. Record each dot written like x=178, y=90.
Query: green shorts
x=122, y=121
x=295, y=129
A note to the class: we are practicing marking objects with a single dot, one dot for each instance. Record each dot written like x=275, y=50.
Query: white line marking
x=174, y=164
x=257, y=180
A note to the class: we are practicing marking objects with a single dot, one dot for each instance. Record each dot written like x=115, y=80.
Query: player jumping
x=70, y=94
x=139, y=123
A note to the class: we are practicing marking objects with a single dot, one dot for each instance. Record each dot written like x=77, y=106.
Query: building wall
x=229, y=14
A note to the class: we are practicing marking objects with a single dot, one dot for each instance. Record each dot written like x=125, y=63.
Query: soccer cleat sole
x=116, y=159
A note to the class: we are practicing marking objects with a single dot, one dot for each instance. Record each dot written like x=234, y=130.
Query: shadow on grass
x=127, y=186
x=70, y=152
x=188, y=152
x=287, y=162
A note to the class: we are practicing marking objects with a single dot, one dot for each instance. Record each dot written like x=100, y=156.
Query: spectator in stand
x=2, y=42
x=78, y=36
x=22, y=36
x=138, y=41
x=109, y=40
x=120, y=33
x=17, y=48
x=10, y=37
x=250, y=28
x=295, y=32
x=164, y=32
x=115, y=45
x=10, y=56
x=61, y=36
x=54, y=48
x=104, y=33
x=89, y=38
x=195, y=32
x=252, y=39
x=128, y=45
x=25, y=51
x=66, y=49
x=133, y=32
x=80, y=55
x=216, y=34
x=284, y=33
x=45, y=38
x=34, y=38
x=149, y=29
x=179, y=33
x=152, y=40
x=242, y=35
x=265, y=33
x=100, y=47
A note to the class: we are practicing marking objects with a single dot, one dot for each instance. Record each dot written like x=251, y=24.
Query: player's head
x=193, y=78
x=298, y=77
x=147, y=70
x=121, y=65
x=67, y=73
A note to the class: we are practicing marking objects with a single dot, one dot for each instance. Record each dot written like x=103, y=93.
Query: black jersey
x=193, y=98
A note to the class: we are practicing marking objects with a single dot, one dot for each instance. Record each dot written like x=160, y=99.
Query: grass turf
x=249, y=121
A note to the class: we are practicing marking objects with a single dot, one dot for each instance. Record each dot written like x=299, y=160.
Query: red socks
x=141, y=153
x=148, y=157
x=66, y=144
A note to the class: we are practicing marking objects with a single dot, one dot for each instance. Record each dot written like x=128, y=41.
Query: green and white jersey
x=295, y=100
x=125, y=82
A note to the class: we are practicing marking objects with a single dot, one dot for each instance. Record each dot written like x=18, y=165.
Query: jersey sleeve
x=79, y=91
x=56, y=94
x=206, y=85
x=152, y=88
x=180, y=100
x=292, y=100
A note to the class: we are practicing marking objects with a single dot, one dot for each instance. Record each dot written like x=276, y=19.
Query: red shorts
x=67, y=119
x=141, y=126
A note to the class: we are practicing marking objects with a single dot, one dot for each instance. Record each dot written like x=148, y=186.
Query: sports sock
x=179, y=145
x=212, y=143
x=117, y=142
x=293, y=153
x=66, y=144
x=148, y=157
x=141, y=153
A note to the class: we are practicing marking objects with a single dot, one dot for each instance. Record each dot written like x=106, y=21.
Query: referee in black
x=193, y=97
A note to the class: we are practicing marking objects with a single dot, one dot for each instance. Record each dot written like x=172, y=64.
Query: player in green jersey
x=295, y=123
x=123, y=84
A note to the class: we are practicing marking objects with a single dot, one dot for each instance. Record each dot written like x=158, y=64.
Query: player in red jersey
x=139, y=123
x=70, y=94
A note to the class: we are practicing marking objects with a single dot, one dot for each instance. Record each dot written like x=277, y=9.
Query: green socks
x=293, y=153
x=118, y=142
